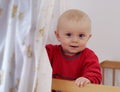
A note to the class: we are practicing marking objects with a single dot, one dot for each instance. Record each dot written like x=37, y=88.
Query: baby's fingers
x=79, y=83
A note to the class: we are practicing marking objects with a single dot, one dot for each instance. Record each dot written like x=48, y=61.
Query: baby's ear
x=57, y=35
x=89, y=36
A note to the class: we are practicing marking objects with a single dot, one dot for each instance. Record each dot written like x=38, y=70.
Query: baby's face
x=73, y=36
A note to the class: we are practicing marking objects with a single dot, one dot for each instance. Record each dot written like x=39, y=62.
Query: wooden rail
x=69, y=86
x=110, y=64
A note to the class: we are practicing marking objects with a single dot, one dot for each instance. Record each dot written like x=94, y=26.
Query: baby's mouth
x=74, y=46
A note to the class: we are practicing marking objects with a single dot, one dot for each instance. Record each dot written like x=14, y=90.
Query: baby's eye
x=81, y=35
x=68, y=34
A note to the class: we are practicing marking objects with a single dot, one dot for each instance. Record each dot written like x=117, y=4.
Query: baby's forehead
x=75, y=25
x=80, y=23
x=75, y=20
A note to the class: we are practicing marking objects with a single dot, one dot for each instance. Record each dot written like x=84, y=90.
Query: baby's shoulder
x=88, y=51
x=52, y=48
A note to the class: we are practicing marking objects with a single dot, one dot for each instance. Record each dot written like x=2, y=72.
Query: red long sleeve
x=84, y=64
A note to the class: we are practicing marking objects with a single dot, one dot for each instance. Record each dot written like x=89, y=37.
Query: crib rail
x=69, y=86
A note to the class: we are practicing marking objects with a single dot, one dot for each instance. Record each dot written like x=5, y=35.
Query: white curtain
x=24, y=29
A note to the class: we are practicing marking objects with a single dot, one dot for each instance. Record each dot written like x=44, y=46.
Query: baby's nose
x=75, y=39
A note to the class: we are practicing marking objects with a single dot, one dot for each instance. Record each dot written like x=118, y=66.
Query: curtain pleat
x=24, y=28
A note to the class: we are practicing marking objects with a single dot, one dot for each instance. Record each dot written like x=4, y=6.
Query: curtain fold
x=24, y=26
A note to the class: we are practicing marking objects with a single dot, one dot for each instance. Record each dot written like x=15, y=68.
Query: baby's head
x=73, y=31
x=74, y=16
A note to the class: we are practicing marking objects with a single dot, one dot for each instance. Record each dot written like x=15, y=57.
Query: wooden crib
x=69, y=86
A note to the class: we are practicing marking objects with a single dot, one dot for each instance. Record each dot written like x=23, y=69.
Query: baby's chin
x=72, y=53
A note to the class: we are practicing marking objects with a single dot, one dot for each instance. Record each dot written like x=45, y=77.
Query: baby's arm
x=82, y=81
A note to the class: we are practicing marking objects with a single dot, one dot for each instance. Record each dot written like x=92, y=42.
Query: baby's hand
x=82, y=81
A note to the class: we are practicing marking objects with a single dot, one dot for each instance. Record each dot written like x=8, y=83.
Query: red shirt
x=84, y=64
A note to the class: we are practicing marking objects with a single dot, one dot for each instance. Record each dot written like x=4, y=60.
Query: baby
x=71, y=59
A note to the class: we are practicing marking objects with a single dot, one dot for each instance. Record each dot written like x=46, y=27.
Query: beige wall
x=105, y=15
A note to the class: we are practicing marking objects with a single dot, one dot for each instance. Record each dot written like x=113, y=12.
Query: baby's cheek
x=82, y=44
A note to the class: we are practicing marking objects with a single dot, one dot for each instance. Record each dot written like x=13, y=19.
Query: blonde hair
x=74, y=15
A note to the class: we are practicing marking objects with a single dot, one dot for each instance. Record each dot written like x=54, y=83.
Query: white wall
x=105, y=16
